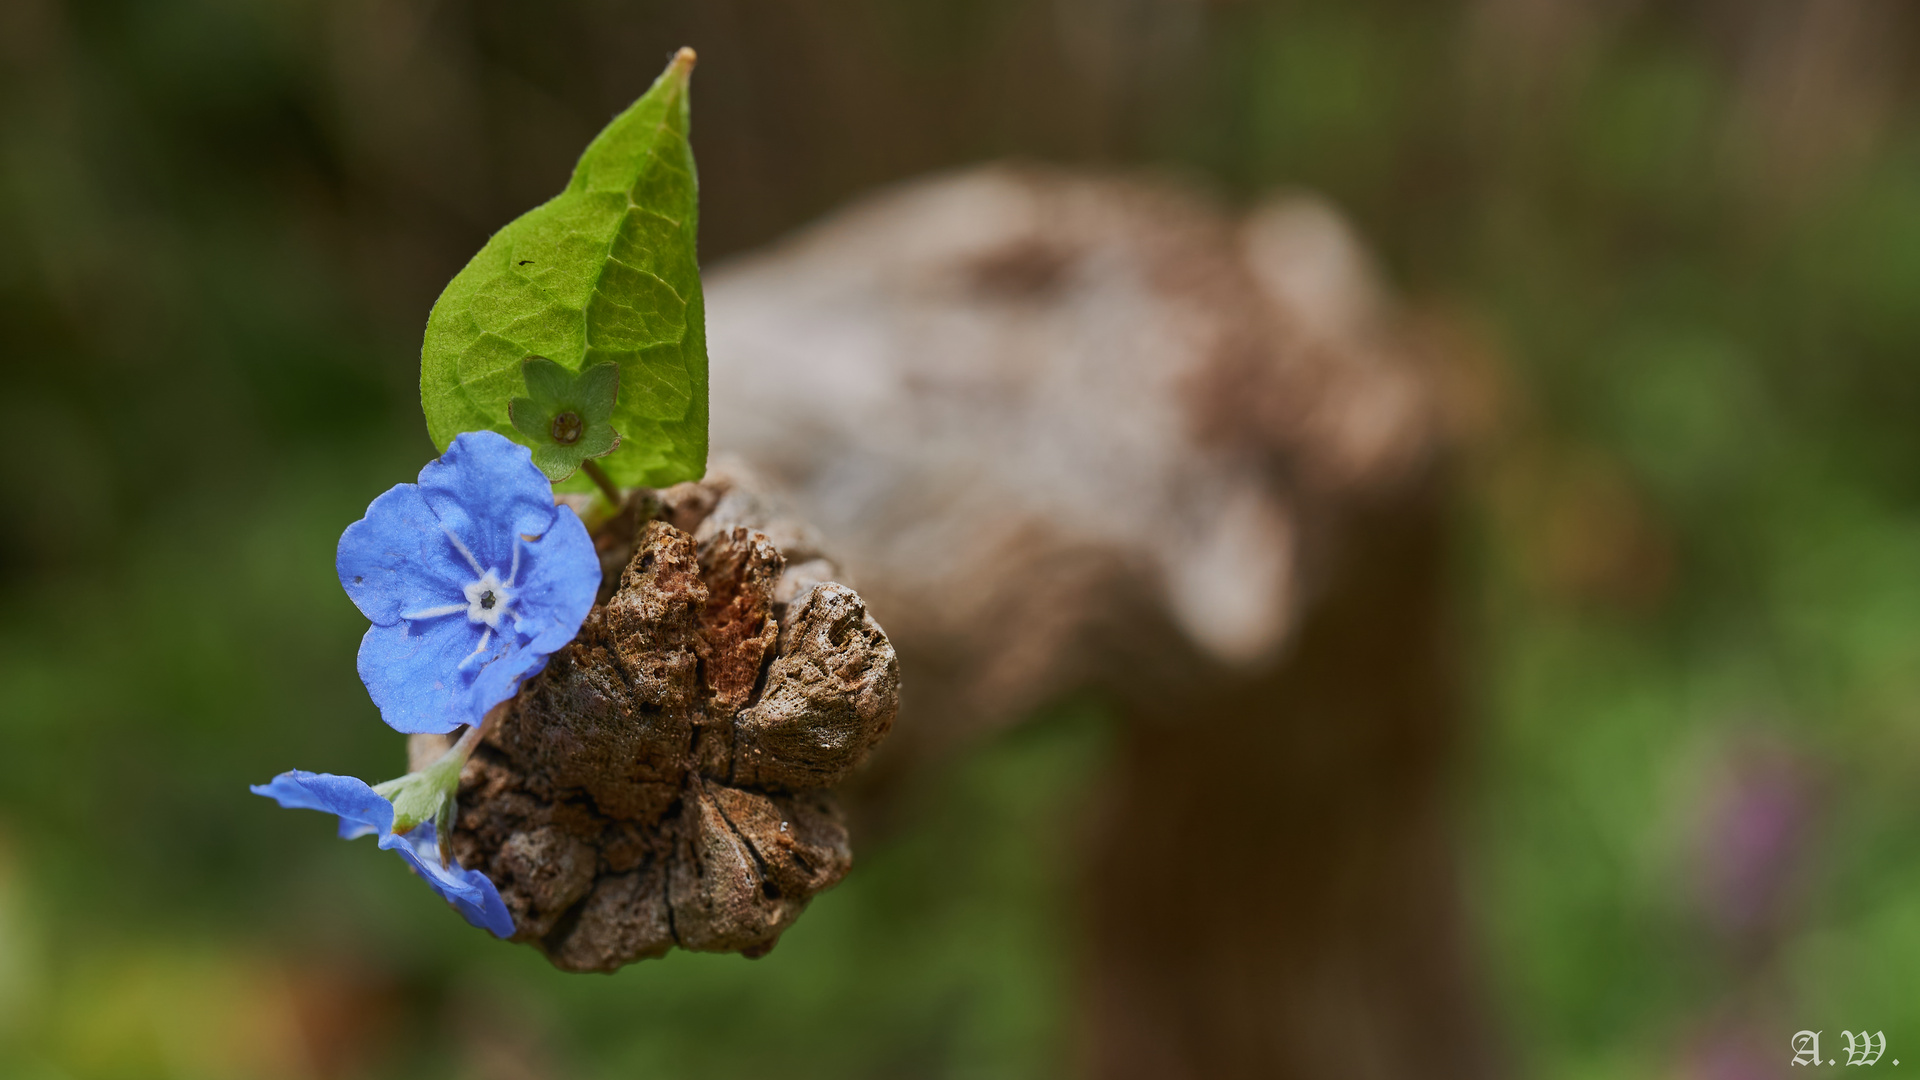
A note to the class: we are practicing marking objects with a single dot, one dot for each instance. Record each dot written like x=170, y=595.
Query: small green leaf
x=605, y=273
x=564, y=416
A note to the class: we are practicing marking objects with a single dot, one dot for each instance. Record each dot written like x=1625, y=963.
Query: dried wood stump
x=1088, y=434
x=662, y=782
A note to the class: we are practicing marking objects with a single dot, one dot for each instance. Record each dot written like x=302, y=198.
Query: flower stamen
x=485, y=637
x=471, y=561
x=434, y=612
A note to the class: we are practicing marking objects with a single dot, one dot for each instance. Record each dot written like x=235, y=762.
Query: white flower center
x=488, y=599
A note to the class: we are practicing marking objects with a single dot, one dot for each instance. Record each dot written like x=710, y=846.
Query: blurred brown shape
x=1819, y=83
x=347, y=1010
x=1816, y=82
x=1584, y=531
x=1080, y=432
x=500, y=1037
x=1068, y=432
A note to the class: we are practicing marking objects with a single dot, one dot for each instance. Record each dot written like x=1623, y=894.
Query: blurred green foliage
x=1676, y=249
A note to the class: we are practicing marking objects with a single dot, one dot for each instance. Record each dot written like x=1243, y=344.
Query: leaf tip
x=683, y=61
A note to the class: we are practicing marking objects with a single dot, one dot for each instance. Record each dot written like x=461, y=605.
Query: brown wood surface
x=1073, y=433
x=1273, y=894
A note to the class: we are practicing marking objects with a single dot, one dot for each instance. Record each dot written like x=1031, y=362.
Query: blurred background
x=1674, y=250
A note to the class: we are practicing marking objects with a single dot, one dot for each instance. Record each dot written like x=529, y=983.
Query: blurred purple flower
x=1728, y=1051
x=1755, y=829
x=471, y=577
x=363, y=812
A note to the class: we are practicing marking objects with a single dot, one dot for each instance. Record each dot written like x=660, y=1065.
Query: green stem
x=599, y=476
x=455, y=759
x=470, y=738
x=428, y=795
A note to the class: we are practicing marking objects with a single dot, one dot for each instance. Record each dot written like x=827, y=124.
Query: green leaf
x=564, y=416
x=604, y=273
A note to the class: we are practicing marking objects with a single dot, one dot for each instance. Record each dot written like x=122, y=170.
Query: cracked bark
x=662, y=782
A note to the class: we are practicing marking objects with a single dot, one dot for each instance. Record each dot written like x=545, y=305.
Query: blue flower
x=471, y=577
x=363, y=812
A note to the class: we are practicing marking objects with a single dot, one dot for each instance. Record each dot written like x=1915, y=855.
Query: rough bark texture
x=659, y=784
x=1077, y=433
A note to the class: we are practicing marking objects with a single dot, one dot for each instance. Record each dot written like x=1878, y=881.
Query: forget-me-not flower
x=471, y=577
x=364, y=812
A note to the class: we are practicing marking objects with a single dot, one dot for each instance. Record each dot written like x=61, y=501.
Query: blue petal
x=487, y=490
x=398, y=559
x=413, y=673
x=498, y=678
x=361, y=810
x=468, y=891
x=559, y=577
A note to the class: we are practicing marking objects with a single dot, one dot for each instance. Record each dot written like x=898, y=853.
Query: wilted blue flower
x=363, y=812
x=471, y=577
